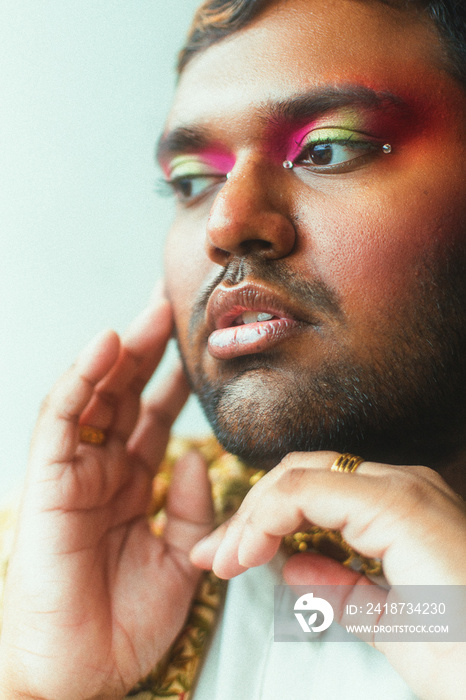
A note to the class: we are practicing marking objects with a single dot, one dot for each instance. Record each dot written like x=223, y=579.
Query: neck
x=454, y=474
x=445, y=453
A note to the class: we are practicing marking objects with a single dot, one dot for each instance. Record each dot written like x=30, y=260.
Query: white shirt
x=244, y=662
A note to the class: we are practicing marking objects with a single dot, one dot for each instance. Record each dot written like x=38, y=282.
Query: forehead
x=300, y=45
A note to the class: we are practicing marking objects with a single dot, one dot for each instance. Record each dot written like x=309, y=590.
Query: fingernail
x=246, y=552
x=94, y=345
x=227, y=548
x=203, y=545
x=139, y=322
x=203, y=552
x=158, y=292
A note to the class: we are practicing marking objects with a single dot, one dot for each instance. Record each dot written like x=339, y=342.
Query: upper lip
x=227, y=303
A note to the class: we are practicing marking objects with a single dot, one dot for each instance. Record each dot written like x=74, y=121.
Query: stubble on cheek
x=396, y=405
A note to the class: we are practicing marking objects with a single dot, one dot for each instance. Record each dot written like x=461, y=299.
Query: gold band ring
x=346, y=463
x=94, y=436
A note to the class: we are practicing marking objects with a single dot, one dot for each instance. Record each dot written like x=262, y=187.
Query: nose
x=250, y=215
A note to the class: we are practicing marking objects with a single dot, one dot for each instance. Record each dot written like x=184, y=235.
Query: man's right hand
x=93, y=599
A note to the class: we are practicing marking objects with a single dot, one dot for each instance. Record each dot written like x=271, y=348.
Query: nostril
x=248, y=225
x=255, y=245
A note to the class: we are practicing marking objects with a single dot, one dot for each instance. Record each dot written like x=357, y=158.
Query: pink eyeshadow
x=220, y=161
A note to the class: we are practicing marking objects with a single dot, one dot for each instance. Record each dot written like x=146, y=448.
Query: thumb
x=314, y=569
x=189, y=507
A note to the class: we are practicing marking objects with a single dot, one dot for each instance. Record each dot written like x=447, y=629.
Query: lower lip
x=249, y=339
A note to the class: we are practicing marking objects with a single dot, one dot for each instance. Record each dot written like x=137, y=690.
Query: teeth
x=254, y=316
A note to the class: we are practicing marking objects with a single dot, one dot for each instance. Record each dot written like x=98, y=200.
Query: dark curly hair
x=216, y=19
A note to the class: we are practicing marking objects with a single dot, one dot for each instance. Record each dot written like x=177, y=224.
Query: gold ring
x=95, y=436
x=346, y=463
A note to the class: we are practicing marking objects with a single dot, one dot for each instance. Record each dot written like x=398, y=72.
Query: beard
x=405, y=405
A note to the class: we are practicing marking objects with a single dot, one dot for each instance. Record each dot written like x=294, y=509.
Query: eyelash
x=177, y=186
x=173, y=187
x=371, y=149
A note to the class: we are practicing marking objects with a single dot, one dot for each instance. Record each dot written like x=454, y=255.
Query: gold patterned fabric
x=175, y=675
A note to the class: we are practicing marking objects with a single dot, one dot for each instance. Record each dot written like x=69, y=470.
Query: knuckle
x=289, y=461
x=414, y=490
x=107, y=397
x=45, y=405
x=428, y=474
x=293, y=480
x=56, y=399
x=137, y=386
x=238, y=519
x=164, y=416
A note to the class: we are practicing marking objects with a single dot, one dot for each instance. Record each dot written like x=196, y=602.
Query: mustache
x=314, y=294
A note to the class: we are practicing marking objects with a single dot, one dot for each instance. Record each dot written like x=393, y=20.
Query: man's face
x=354, y=256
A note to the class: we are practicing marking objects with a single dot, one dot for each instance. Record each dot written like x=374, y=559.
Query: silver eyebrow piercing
x=387, y=148
x=288, y=164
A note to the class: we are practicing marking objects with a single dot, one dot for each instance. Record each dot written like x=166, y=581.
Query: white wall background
x=84, y=90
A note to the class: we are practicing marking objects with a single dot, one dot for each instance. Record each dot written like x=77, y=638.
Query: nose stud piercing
x=228, y=175
x=288, y=164
x=386, y=148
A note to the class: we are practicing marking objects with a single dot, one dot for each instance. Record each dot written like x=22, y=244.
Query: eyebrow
x=182, y=140
x=298, y=108
x=311, y=104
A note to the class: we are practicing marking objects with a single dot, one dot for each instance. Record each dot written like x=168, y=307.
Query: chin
x=263, y=414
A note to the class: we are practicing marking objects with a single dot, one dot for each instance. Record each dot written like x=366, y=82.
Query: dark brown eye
x=185, y=187
x=191, y=188
x=338, y=155
x=321, y=153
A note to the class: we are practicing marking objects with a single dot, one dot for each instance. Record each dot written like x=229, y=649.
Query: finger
x=223, y=549
x=345, y=590
x=203, y=552
x=226, y=563
x=189, y=507
x=150, y=436
x=325, y=460
x=303, y=488
x=56, y=435
x=315, y=569
x=332, y=500
x=147, y=336
x=280, y=502
x=143, y=345
x=158, y=292
x=151, y=350
x=382, y=514
x=218, y=550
